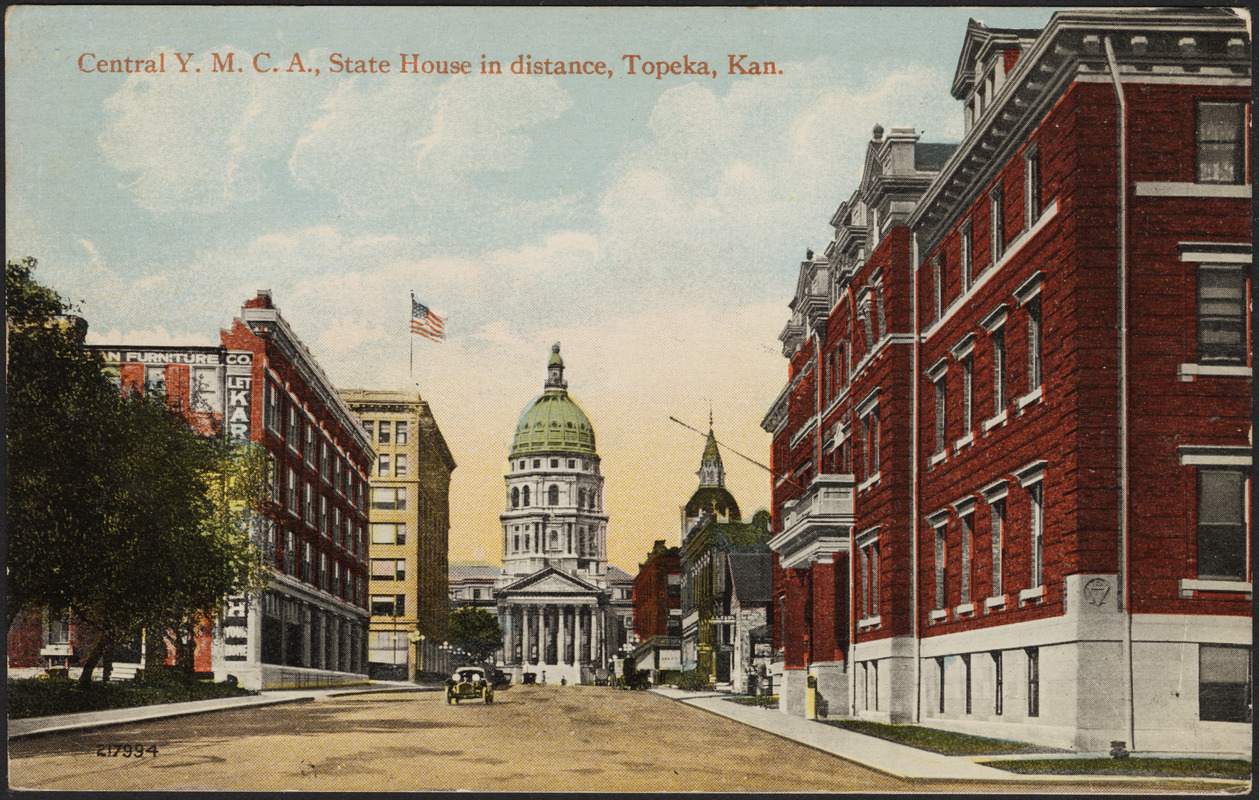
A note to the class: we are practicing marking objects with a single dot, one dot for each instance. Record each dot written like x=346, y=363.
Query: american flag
x=425, y=323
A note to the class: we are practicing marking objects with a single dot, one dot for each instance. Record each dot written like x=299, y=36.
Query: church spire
x=711, y=471
x=555, y=370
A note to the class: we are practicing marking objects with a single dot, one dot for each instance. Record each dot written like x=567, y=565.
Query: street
x=532, y=738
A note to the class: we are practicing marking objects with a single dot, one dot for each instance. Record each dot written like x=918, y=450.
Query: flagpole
x=411, y=338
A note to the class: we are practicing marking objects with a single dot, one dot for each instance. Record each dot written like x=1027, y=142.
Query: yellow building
x=409, y=528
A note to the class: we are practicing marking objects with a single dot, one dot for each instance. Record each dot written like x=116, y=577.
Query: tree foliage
x=475, y=632
x=116, y=508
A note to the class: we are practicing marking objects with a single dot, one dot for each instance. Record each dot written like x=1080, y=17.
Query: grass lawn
x=1134, y=765
x=765, y=701
x=944, y=742
x=41, y=697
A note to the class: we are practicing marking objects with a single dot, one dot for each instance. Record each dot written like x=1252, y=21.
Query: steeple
x=711, y=471
x=555, y=370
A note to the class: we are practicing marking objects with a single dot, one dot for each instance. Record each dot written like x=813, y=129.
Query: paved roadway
x=533, y=738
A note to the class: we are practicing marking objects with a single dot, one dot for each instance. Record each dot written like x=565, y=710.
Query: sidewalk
x=890, y=758
x=18, y=728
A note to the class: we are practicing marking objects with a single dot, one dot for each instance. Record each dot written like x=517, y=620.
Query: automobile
x=499, y=679
x=469, y=683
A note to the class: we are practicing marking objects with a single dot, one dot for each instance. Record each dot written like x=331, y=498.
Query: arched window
x=515, y=498
x=581, y=498
x=553, y=495
x=526, y=495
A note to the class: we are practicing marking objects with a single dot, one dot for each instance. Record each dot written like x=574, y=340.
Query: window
x=290, y=553
x=1036, y=493
x=273, y=407
x=968, y=394
x=572, y=463
x=400, y=465
x=385, y=426
x=941, y=566
x=878, y=301
x=998, y=370
x=369, y=427
x=537, y=463
x=323, y=571
x=555, y=463
x=389, y=498
x=967, y=531
x=939, y=392
x=308, y=564
x=57, y=629
x=940, y=673
x=273, y=479
x=336, y=580
x=389, y=533
x=525, y=496
x=308, y=503
x=967, y=676
x=325, y=451
x=515, y=497
x=870, y=579
x=1225, y=683
x=998, y=523
x=872, y=441
x=1221, y=524
x=389, y=569
x=309, y=452
x=1033, y=682
x=966, y=260
x=155, y=380
x=400, y=433
x=321, y=523
x=996, y=212
x=998, y=683
x=382, y=465
x=293, y=431
x=1221, y=143
x=1221, y=314
x=1033, y=344
x=389, y=605
x=1031, y=186
x=581, y=498
x=553, y=495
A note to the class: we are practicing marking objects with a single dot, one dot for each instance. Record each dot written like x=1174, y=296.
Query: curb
x=89, y=724
x=386, y=690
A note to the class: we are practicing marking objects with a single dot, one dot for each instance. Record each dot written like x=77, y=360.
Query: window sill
x=965, y=608
x=1028, y=595
x=1033, y=396
x=939, y=615
x=938, y=458
x=995, y=421
x=995, y=602
x=869, y=622
x=1187, y=372
x=869, y=482
x=1188, y=586
x=56, y=650
x=1189, y=189
x=965, y=441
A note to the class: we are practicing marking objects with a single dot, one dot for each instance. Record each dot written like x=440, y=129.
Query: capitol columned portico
x=562, y=609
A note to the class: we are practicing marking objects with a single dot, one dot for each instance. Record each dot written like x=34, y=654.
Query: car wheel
x=489, y=698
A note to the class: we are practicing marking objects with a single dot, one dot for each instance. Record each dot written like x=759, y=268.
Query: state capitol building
x=564, y=611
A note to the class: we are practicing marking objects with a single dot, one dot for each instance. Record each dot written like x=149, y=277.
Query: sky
x=652, y=224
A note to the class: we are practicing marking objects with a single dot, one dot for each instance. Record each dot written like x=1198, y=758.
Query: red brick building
x=1046, y=519
x=658, y=610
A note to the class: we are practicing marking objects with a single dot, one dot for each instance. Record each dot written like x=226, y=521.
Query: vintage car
x=469, y=683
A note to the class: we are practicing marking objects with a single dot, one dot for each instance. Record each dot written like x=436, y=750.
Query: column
x=596, y=649
x=561, y=639
x=537, y=633
x=578, y=613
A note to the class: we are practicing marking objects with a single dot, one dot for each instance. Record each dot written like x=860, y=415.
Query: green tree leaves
x=116, y=508
x=475, y=632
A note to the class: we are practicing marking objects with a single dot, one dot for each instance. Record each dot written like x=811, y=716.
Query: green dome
x=553, y=423
x=713, y=499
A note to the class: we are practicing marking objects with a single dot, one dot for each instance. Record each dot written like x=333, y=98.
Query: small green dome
x=554, y=423
x=713, y=499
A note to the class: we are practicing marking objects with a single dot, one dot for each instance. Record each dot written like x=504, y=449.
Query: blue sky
x=653, y=227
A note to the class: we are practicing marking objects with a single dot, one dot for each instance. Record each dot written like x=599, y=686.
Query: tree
x=475, y=632
x=116, y=508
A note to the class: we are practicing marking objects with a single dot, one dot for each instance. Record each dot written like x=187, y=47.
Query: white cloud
x=199, y=141
x=156, y=336
x=346, y=334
